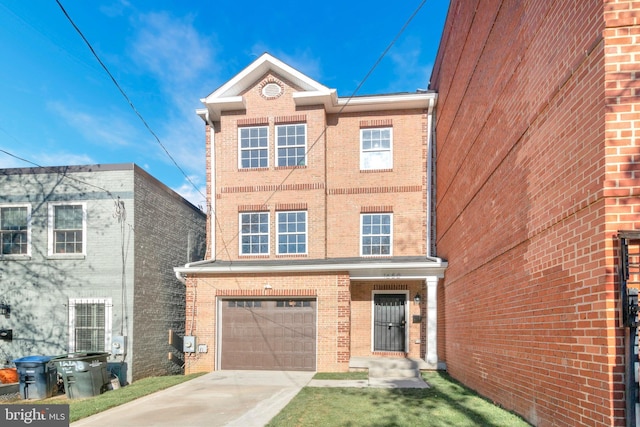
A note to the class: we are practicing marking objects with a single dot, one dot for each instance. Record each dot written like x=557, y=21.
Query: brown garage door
x=269, y=335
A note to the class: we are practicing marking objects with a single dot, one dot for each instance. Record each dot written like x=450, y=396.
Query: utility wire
x=126, y=97
x=355, y=92
x=279, y=187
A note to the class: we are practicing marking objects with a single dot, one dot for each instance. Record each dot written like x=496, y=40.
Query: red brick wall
x=331, y=184
x=361, y=316
x=333, y=312
x=524, y=200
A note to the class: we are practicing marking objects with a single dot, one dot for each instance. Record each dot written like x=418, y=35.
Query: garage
x=277, y=334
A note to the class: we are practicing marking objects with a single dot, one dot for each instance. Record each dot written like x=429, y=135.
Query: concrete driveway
x=222, y=398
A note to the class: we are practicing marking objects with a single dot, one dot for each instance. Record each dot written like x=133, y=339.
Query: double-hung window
x=291, y=144
x=89, y=324
x=253, y=147
x=376, y=236
x=376, y=148
x=292, y=232
x=67, y=228
x=254, y=233
x=14, y=230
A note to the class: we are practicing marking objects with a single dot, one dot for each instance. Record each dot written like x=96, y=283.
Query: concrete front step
x=389, y=367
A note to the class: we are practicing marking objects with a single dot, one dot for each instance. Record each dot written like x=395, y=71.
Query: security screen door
x=389, y=322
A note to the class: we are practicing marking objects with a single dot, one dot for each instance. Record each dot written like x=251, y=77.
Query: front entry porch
x=389, y=367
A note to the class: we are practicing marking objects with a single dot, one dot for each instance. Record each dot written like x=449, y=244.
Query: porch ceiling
x=358, y=268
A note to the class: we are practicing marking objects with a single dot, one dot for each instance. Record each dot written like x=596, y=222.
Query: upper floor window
x=14, y=229
x=376, y=148
x=376, y=236
x=254, y=147
x=292, y=232
x=67, y=228
x=291, y=144
x=254, y=233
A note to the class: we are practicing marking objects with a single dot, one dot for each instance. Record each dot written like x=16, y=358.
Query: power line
x=355, y=92
x=126, y=97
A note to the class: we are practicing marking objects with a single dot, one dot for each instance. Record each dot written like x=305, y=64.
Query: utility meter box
x=189, y=344
x=118, y=345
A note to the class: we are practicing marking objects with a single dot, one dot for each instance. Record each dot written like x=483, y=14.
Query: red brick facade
x=334, y=191
x=537, y=123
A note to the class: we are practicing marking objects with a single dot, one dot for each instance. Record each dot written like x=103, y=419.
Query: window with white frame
x=254, y=233
x=292, y=232
x=67, y=228
x=15, y=224
x=291, y=144
x=376, y=148
x=89, y=324
x=376, y=236
x=253, y=147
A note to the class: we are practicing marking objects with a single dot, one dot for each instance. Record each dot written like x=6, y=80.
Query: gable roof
x=228, y=96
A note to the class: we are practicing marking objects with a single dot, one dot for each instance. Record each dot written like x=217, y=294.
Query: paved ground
x=221, y=398
x=226, y=398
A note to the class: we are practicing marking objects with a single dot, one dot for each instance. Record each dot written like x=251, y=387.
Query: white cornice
x=357, y=270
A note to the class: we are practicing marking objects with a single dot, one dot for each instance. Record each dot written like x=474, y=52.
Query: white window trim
x=390, y=235
x=305, y=143
x=306, y=234
x=240, y=149
x=240, y=234
x=108, y=329
x=51, y=224
x=362, y=151
x=28, y=254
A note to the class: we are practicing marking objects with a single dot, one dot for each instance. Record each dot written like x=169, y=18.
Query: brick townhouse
x=537, y=180
x=318, y=251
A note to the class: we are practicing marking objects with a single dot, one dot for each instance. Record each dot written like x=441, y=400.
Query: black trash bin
x=38, y=376
x=84, y=374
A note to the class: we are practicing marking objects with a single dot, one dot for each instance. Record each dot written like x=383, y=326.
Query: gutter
x=358, y=271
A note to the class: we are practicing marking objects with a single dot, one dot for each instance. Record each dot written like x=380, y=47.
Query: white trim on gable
x=228, y=96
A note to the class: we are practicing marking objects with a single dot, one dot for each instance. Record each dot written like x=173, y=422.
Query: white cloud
x=43, y=159
x=193, y=195
x=171, y=48
x=103, y=129
x=408, y=74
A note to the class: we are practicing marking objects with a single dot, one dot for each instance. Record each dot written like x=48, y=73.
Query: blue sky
x=59, y=107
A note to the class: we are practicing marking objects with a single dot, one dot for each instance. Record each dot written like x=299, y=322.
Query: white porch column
x=432, y=322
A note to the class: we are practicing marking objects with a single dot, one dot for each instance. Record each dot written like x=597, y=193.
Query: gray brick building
x=86, y=258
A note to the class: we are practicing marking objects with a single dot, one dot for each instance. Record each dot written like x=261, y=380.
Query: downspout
x=431, y=135
x=212, y=208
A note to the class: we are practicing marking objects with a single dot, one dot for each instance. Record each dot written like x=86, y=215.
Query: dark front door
x=389, y=322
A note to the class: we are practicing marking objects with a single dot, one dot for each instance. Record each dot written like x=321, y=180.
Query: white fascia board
x=328, y=98
x=357, y=271
x=216, y=107
x=257, y=69
x=386, y=102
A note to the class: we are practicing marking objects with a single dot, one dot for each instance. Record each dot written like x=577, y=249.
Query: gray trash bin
x=38, y=376
x=84, y=374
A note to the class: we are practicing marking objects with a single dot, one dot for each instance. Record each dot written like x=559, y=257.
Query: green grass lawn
x=81, y=408
x=447, y=403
